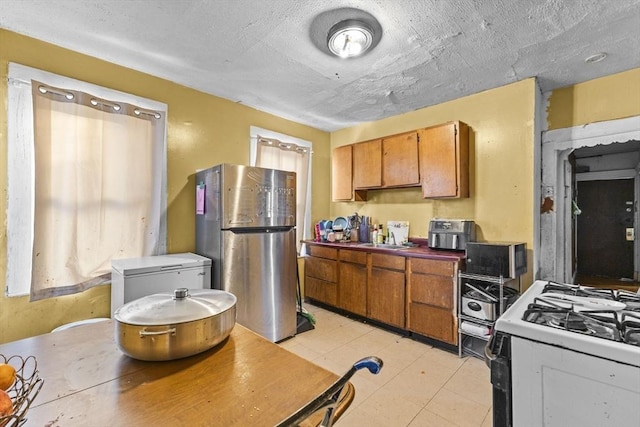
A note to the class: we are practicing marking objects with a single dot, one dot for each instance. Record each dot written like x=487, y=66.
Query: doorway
x=605, y=229
x=557, y=220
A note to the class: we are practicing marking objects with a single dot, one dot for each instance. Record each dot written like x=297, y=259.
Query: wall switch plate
x=630, y=234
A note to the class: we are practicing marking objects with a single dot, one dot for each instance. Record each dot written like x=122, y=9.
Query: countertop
x=245, y=380
x=420, y=251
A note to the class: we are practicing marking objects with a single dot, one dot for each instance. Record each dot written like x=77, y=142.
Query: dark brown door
x=607, y=212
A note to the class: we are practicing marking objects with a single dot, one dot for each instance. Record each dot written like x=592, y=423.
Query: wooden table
x=244, y=381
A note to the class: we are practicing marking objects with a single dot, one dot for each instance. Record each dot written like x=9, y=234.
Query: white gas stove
x=565, y=355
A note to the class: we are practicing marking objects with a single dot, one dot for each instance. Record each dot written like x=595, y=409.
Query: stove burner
x=601, y=324
x=632, y=337
x=618, y=320
x=569, y=323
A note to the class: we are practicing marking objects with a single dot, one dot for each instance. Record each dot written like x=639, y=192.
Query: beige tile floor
x=419, y=385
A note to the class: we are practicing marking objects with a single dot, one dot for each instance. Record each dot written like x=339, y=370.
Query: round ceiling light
x=595, y=58
x=350, y=38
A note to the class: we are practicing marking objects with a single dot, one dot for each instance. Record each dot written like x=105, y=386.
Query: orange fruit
x=6, y=405
x=7, y=376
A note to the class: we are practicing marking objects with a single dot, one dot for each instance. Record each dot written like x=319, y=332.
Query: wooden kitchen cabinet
x=386, y=289
x=341, y=173
x=352, y=282
x=430, y=299
x=444, y=160
x=367, y=164
x=400, y=160
x=414, y=294
x=321, y=274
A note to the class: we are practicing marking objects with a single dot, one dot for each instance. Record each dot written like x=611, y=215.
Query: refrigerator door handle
x=269, y=204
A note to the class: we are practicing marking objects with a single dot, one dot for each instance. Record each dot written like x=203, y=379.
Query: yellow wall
x=203, y=130
x=613, y=97
x=501, y=166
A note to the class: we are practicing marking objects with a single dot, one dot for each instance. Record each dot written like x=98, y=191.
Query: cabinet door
x=321, y=290
x=367, y=164
x=432, y=290
x=433, y=322
x=386, y=297
x=341, y=179
x=400, y=160
x=444, y=160
x=352, y=289
x=431, y=287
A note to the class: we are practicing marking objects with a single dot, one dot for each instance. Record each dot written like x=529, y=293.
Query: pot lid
x=184, y=305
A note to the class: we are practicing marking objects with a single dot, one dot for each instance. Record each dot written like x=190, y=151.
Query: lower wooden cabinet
x=321, y=275
x=386, y=290
x=414, y=294
x=431, y=289
x=433, y=322
x=321, y=290
x=352, y=285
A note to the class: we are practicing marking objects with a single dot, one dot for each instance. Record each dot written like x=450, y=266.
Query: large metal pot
x=166, y=327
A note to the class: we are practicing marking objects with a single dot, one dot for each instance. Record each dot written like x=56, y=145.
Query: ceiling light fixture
x=595, y=58
x=350, y=38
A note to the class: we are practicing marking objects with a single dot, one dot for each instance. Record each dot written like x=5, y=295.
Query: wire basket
x=24, y=390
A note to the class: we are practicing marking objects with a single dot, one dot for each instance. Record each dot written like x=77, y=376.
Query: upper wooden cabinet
x=436, y=158
x=341, y=165
x=400, y=160
x=444, y=160
x=367, y=164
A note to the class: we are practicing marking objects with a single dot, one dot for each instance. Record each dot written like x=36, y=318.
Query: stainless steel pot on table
x=166, y=327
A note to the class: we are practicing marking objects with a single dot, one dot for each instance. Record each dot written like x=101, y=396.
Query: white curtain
x=289, y=157
x=97, y=191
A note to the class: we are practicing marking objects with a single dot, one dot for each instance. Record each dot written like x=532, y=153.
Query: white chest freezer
x=133, y=278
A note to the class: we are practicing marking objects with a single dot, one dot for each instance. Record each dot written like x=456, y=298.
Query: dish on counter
x=341, y=222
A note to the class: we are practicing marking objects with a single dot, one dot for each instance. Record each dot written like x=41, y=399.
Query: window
x=86, y=182
x=278, y=151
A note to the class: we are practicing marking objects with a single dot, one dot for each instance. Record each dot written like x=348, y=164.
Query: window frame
x=20, y=166
x=256, y=131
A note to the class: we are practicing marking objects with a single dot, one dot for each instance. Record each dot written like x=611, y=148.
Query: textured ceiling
x=263, y=53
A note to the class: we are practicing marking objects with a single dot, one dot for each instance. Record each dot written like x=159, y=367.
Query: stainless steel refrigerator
x=245, y=222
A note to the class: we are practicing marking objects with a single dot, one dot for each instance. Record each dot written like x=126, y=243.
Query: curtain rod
x=284, y=145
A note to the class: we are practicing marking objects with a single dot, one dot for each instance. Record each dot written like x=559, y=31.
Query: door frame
x=556, y=191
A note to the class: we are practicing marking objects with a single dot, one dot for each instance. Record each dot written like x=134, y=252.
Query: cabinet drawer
x=388, y=261
x=432, y=266
x=433, y=322
x=321, y=290
x=433, y=290
x=323, y=252
x=321, y=268
x=356, y=257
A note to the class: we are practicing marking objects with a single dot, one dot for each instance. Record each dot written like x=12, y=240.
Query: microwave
x=496, y=259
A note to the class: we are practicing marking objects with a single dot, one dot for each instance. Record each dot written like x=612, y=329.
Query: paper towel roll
x=475, y=329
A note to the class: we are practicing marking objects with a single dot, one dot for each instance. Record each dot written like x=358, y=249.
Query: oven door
x=497, y=356
x=556, y=387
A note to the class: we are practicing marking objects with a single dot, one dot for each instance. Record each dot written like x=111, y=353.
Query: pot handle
x=144, y=333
